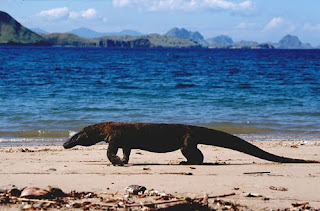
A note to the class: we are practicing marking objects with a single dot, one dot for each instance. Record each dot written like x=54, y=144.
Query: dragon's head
x=86, y=137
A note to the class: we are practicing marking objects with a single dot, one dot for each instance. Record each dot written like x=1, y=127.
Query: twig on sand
x=33, y=200
x=180, y=200
x=258, y=172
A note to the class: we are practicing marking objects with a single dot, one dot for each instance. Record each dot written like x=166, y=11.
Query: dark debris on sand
x=135, y=198
x=34, y=198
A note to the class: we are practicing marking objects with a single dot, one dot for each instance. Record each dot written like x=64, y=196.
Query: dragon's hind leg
x=126, y=155
x=191, y=152
x=112, y=155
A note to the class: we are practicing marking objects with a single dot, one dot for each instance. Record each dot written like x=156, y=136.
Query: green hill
x=12, y=32
x=152, y=41
x=67, y=39
x=183, y=33
x=145, y=41
x=171, y=42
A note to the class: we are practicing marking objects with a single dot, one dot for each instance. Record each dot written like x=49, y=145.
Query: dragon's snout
x=73, y=141
x=67, y=145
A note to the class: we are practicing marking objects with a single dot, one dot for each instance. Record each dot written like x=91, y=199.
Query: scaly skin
x=165, y=138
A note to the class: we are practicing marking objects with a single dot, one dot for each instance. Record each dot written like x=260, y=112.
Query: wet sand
x=277, y=186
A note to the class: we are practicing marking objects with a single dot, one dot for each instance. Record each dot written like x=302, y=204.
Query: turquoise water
x=47, y=94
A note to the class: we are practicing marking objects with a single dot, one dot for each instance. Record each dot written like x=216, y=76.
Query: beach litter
x=34, y=192
x=135, y=197
x=146, y=169
x=254, y=195
x=258, y=172
x=14, y=192
x=304, y=206
x=35, y=198
x=178, y=173
x=135, y=189
x=278, y=188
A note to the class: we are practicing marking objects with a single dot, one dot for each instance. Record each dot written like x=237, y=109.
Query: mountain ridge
x=89, y=33
x=292, y=42
x=13, y=33
x=145, y=41
x=220, y=40
x=183, y=33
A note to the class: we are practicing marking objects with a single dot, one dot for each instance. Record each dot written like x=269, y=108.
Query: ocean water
x=47, y=94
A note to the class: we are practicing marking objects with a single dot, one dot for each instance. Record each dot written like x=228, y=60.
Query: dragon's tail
x=222, y=139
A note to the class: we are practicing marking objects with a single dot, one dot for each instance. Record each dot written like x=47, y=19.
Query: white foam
x=29, y=140
x=72, y=133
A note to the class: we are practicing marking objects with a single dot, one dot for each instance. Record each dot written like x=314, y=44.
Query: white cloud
x=170, y=5
x=87, y=14
x=64, y=13
x=274, y=23
x=55, y=14
x=280, y=25
x=124, y=3
x=228, y=5
x=245, y=25
x=290, y=28
x=311, y=27
x=187, y=5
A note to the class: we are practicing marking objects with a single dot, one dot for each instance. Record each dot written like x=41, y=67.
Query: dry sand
x=87, y=169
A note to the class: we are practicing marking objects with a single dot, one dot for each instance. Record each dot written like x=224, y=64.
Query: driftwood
x=59, y=202
x=180, y=200
x=33, y=200
x=258, y=172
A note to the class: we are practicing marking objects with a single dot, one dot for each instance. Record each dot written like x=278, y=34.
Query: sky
x=257, y=20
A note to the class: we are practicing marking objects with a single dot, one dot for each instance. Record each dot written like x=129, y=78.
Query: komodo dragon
x=165, y=138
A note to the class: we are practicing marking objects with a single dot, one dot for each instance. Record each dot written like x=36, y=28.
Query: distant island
x=89, y=33
x=13, y=33
x=183, y=33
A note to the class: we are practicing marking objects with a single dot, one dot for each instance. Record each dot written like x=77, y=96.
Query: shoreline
x=87, y=169
x=58, y=141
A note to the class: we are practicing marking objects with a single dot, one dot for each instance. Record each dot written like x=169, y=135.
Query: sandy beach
x=272, y=185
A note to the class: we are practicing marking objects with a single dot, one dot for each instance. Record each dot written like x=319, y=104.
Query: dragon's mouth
x=69, y=144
